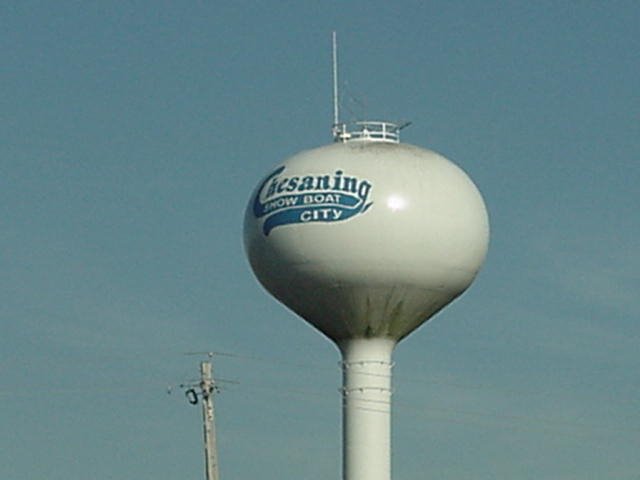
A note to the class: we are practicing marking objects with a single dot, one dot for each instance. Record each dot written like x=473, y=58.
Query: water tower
x=366, y=239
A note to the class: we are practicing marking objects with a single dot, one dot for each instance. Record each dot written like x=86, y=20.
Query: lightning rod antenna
x=336, y=130
x=335, y=79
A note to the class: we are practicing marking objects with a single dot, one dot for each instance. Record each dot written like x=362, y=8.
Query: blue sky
x=131, y=136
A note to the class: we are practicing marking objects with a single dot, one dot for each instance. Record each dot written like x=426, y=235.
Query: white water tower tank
x=366, y=239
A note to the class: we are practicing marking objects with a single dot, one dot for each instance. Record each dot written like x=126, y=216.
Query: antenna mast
x=335, y=80
x=337, y=130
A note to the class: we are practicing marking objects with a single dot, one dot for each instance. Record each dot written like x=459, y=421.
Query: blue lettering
x=334, y=198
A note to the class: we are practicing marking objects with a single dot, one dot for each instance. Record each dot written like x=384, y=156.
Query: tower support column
x=366, y=408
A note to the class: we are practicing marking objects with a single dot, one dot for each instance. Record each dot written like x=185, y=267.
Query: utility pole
x=205, y=390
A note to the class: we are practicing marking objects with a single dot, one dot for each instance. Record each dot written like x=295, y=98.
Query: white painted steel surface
x=366, y=240
x=381, y=272
x=366, y=408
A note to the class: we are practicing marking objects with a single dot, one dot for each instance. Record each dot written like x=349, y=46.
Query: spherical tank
x=366, y=238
